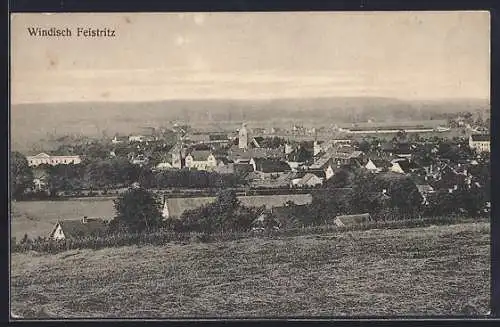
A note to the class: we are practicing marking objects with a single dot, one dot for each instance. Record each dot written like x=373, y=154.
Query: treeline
x=225, y=214
x=391, y=196
x=139, y=220
x=108, y=174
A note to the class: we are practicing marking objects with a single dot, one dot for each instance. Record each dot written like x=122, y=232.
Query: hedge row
x=163, y=237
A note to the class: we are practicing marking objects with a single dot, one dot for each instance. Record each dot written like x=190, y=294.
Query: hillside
x=421, y=271
x=31, y=123
x=38, y=218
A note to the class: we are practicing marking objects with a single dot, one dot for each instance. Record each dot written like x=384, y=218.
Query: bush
x=164, y=236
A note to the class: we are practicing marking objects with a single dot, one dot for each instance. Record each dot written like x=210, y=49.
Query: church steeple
x=243, y=137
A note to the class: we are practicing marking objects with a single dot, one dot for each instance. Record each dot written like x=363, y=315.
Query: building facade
x=201, y=160
x=480, y=142
x=44, y=158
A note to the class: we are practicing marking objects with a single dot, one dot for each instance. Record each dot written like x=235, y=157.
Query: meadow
x=37, y=218
x=436, y=270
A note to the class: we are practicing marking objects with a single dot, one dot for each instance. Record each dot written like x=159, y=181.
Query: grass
x=439, y=270
x=37, y=218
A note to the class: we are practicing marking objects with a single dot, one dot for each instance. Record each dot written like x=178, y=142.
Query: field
x=37, y=218
x=416, y=271
x=34, y=125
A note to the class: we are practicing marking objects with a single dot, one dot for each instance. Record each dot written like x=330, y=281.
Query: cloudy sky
x=160, y=56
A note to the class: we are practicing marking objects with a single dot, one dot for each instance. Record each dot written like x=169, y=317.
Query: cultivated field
x=37, y=218
x=417, y=271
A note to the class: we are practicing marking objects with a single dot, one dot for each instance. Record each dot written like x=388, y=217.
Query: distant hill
x=31, y=123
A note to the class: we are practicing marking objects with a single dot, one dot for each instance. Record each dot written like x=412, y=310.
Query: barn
x=174, y=207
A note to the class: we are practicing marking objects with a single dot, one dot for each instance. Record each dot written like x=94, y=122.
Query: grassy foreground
x=439, y=270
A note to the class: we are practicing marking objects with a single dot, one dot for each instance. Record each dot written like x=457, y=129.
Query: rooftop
x=76, y=227
x=481, y=138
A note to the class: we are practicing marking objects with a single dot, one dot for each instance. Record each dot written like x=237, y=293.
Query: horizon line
x=258, y=99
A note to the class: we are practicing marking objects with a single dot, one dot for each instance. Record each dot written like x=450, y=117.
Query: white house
x=308, y=180
x=44, y=158
x=201, y=160
x=329, y=172
x=396, y=168
x=119, y=139
x=480, y=142
x=139, y=160
x=377, y=165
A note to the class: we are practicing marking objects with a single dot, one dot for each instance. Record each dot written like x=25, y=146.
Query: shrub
x=165, y=236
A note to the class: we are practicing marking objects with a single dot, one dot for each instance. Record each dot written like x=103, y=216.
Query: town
x=250, y=165
x=415, y=170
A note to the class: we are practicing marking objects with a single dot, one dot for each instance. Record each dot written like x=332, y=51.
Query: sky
x=162, y=56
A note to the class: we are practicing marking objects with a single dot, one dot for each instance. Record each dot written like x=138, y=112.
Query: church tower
x=243, y=137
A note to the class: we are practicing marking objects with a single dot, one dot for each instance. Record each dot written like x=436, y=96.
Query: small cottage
x=65, y=229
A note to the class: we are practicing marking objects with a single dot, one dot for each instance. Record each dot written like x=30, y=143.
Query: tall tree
x=137, y=209
x=21, y=175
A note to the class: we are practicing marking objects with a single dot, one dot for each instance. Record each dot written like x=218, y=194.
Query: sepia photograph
x=257, y=165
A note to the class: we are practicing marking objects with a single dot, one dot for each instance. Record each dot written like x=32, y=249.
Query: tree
x=364, y=146
x=224, y=214
x=401, y=136
x=21, y=174
x=137, y=209
x=224, y=208
x=342, y=178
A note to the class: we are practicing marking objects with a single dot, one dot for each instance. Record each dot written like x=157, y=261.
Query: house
x=378, y=165
x=480, y=142
x=225, y=169
x=44, y=158
x=403, y=166
x=40, y=179
x=352, y=220
x=119, y=139
x=197, y=137
x=257, y=141
x=201, y=160
x=402, y=149
x=163, y=166
x=289, y=148
x=308, y=180
x=318, y=172
x=344, y=156
x=238, y=155
x=322, y=163
x=272, y=180
x=294, y=165
x=139, y=160
x=448, y=178
x=218, y=137
x=137, y=138
x=264, y=165
x=66, y=229
x=175, y=207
